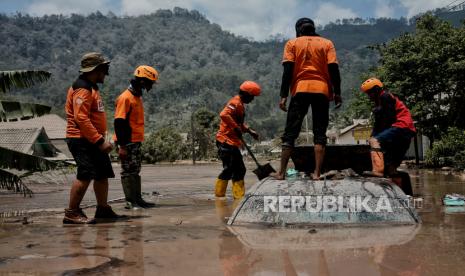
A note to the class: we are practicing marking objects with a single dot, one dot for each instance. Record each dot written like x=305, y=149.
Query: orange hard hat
x=250, y=87
x=370, y=83
x=145, y=71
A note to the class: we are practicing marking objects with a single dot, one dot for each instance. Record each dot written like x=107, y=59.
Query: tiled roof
x=19, y=139
x=54, y=125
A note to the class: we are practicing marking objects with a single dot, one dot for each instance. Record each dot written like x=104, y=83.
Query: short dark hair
x=304, y=26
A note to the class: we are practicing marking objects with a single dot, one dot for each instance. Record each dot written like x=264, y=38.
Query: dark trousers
x=394, y=143
x=233, y=165
x=298, y=108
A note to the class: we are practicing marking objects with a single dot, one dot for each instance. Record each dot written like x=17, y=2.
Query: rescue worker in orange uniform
x=129, y=134
x=392, y=131
x=229, y=140
x=311, y=73
x=85, y=135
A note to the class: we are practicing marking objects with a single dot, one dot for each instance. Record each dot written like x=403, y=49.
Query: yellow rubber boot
x=238, y=189
x=220, y=187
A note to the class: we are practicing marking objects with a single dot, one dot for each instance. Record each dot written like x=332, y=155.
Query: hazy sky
x=257, y=19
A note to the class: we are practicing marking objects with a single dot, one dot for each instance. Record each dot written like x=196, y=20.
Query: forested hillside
x=200, y=65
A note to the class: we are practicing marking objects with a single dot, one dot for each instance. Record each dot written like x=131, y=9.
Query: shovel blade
x=263, y=171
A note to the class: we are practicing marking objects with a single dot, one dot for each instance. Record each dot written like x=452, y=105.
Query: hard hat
x=250, y=87
x=145, y=71
x=370, y=83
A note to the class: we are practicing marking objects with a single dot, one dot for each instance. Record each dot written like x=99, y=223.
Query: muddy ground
x=186, y=235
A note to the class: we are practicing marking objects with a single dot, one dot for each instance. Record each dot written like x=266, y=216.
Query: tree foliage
x=426, y=69
x=449, y=151
x=165, y=144
x=204, y=125
x=21, y=79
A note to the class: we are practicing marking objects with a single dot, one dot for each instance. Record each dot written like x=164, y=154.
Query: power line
x=458, y=5
x=451, y=3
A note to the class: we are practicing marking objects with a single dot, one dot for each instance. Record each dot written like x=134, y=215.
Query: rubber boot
x=129, y=192
x=377, y=163
x=138, y=193
x=402, y=179
x=238, y=189
x=220, y=187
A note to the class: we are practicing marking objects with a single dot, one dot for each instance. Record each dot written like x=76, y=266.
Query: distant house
x=54, y=126
x=33, y=141
x=357, y=133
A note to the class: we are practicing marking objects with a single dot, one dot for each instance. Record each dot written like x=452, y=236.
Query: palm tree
x=22, y=79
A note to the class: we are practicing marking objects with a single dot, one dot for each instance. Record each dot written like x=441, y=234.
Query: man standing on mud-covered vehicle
x=85, y=134
x=311, y=73
x=129, y=134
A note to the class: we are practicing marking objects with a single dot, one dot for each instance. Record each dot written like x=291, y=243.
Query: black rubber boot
x=130, y=193
x=138, y=193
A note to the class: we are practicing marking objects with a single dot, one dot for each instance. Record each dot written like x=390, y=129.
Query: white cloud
x=138, y=7
x=329, y=12
x=250, y=18
x=417, y=6
x=384, y=9
x=41, y=7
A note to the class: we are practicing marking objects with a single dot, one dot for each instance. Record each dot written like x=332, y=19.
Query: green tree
x=449, y=151
x=204, y=124
x=426, y=69
x=165, y=144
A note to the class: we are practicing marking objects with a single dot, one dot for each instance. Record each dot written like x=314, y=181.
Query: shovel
x=262, y=171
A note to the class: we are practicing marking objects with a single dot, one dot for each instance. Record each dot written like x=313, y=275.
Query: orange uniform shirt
x=130, y=107
x=232, y=117
x=311, y=56
x=85, y=114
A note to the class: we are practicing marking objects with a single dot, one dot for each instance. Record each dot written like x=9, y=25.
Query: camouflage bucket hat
x=91, y=60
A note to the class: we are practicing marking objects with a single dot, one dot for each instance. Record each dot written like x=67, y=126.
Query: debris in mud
x=31, y=245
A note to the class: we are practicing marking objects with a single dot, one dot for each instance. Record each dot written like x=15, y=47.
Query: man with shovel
x=229, y=140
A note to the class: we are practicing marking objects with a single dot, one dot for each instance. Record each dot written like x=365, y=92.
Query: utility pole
x=193, y=137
